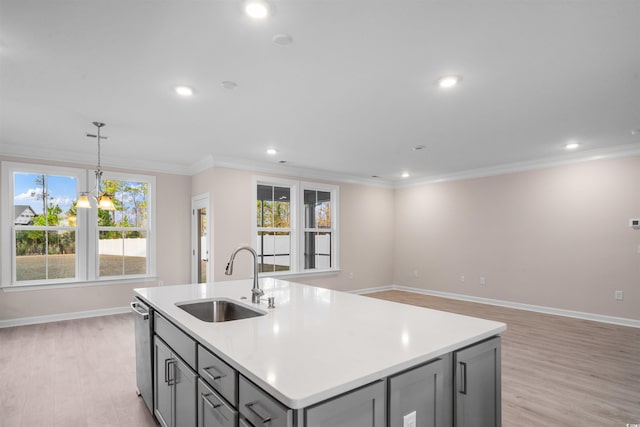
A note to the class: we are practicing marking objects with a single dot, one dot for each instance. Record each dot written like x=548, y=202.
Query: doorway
x=201, y=239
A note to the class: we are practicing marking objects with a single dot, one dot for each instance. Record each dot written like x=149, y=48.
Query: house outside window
x=46, y=240
x=296, y=226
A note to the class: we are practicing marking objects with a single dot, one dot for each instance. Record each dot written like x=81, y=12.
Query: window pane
x=273, y=206
x=130, y=199
x=31, y=262
x=274, y=251
x=111, y=250
x=61, y=262
x=317, y=250
x=135, y=252
x=317, y=209
x=44, y=200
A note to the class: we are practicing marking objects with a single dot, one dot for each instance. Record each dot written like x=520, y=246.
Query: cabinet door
x=212, y=410
x=425, y=390
x=185, y=386
x=162, y=400
x=477, y=399
x=364, y=407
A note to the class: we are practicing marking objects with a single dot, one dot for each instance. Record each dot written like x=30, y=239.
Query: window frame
x=94, y=229
x=297, y=228
x=86, y=227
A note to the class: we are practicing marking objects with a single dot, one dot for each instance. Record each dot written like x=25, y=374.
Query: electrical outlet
x=409, y=420
x=351, y=275
x=461, y=279
x=619, y=295
x=415, y=273
x=483, y=281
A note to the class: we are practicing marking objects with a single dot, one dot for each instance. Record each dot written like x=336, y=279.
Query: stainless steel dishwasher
x=143, y=319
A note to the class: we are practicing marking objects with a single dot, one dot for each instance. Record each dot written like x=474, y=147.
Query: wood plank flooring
x=556, y=371
x=74, y=373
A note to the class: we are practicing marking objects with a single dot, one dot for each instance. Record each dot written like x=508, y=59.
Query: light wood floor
x=556, y=371
x=74, y=373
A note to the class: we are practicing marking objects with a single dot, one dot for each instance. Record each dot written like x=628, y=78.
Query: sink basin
x=218, y=310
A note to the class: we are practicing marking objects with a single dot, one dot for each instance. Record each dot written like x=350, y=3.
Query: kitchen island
x=318, y=358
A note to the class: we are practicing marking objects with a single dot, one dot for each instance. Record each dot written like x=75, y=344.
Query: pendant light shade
x=105, y=203
x=83, y=201
x=103, y=200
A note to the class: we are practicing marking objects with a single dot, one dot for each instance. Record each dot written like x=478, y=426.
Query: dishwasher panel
x=143, y=319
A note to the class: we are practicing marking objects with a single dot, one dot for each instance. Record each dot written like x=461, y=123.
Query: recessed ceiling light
x=256, y=9
x=571, y=146
x=282, y=39
x=184, y=90
x=447, y=82
x=405, y=175
x=272, y=151
x=228, y=84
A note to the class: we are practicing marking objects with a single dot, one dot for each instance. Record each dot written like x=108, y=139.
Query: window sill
x=295, y=274
x=79, y=284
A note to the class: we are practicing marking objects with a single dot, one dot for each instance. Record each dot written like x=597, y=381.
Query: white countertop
x=318, y=343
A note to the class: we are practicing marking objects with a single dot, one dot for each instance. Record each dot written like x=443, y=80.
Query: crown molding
x=23, y=151
x=628, y=150
x=293, y=171
x=209, y=161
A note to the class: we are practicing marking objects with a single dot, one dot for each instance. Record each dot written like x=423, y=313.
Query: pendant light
x=103, y=199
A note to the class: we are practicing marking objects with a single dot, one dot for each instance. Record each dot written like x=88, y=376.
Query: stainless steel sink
x=218, y=310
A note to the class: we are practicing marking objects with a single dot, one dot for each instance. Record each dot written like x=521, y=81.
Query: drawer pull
x=217, y=374
x=253, y=408
x=210, y=403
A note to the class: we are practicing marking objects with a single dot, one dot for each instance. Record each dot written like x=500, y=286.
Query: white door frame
x=198, y=202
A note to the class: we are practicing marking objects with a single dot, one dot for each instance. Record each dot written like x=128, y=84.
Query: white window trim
x=334, y=190
x=85, y=268
x=151, y=235
x=297, y=224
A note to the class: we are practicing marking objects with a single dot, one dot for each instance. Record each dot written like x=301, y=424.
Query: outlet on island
x=409, y=420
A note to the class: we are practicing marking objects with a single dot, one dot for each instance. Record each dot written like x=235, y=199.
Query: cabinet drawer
x=260, y=408
x=179, y=342
x=220, y=376
x=212, y=410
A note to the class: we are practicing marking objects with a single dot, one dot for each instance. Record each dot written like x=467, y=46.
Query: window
x=123, y=233
x=46, y=240
x=280, y=233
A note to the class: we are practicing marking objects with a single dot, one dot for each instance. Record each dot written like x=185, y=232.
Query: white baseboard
x=62, y=316
x=372, y=290
x=537, y=308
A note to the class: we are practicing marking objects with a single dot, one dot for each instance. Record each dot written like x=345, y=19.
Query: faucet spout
x=256, y=292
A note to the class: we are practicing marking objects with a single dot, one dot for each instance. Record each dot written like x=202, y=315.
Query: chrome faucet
x=256, y=292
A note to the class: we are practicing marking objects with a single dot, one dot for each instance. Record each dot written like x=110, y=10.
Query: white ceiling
x=350, y=97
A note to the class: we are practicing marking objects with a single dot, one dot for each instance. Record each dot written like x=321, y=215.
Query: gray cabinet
x=260, y=409
x=477, y=377
x=174, y=377
x=218, y=375
x=364, y=407
x=213, y=411
x=425, y=391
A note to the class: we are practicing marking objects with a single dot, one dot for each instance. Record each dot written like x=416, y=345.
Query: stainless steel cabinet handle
x=171, y=379
x=217, y=374
x=166, y=370
x=463, y=378
x=210, y=403
x=135, y=307
x=263, y=418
